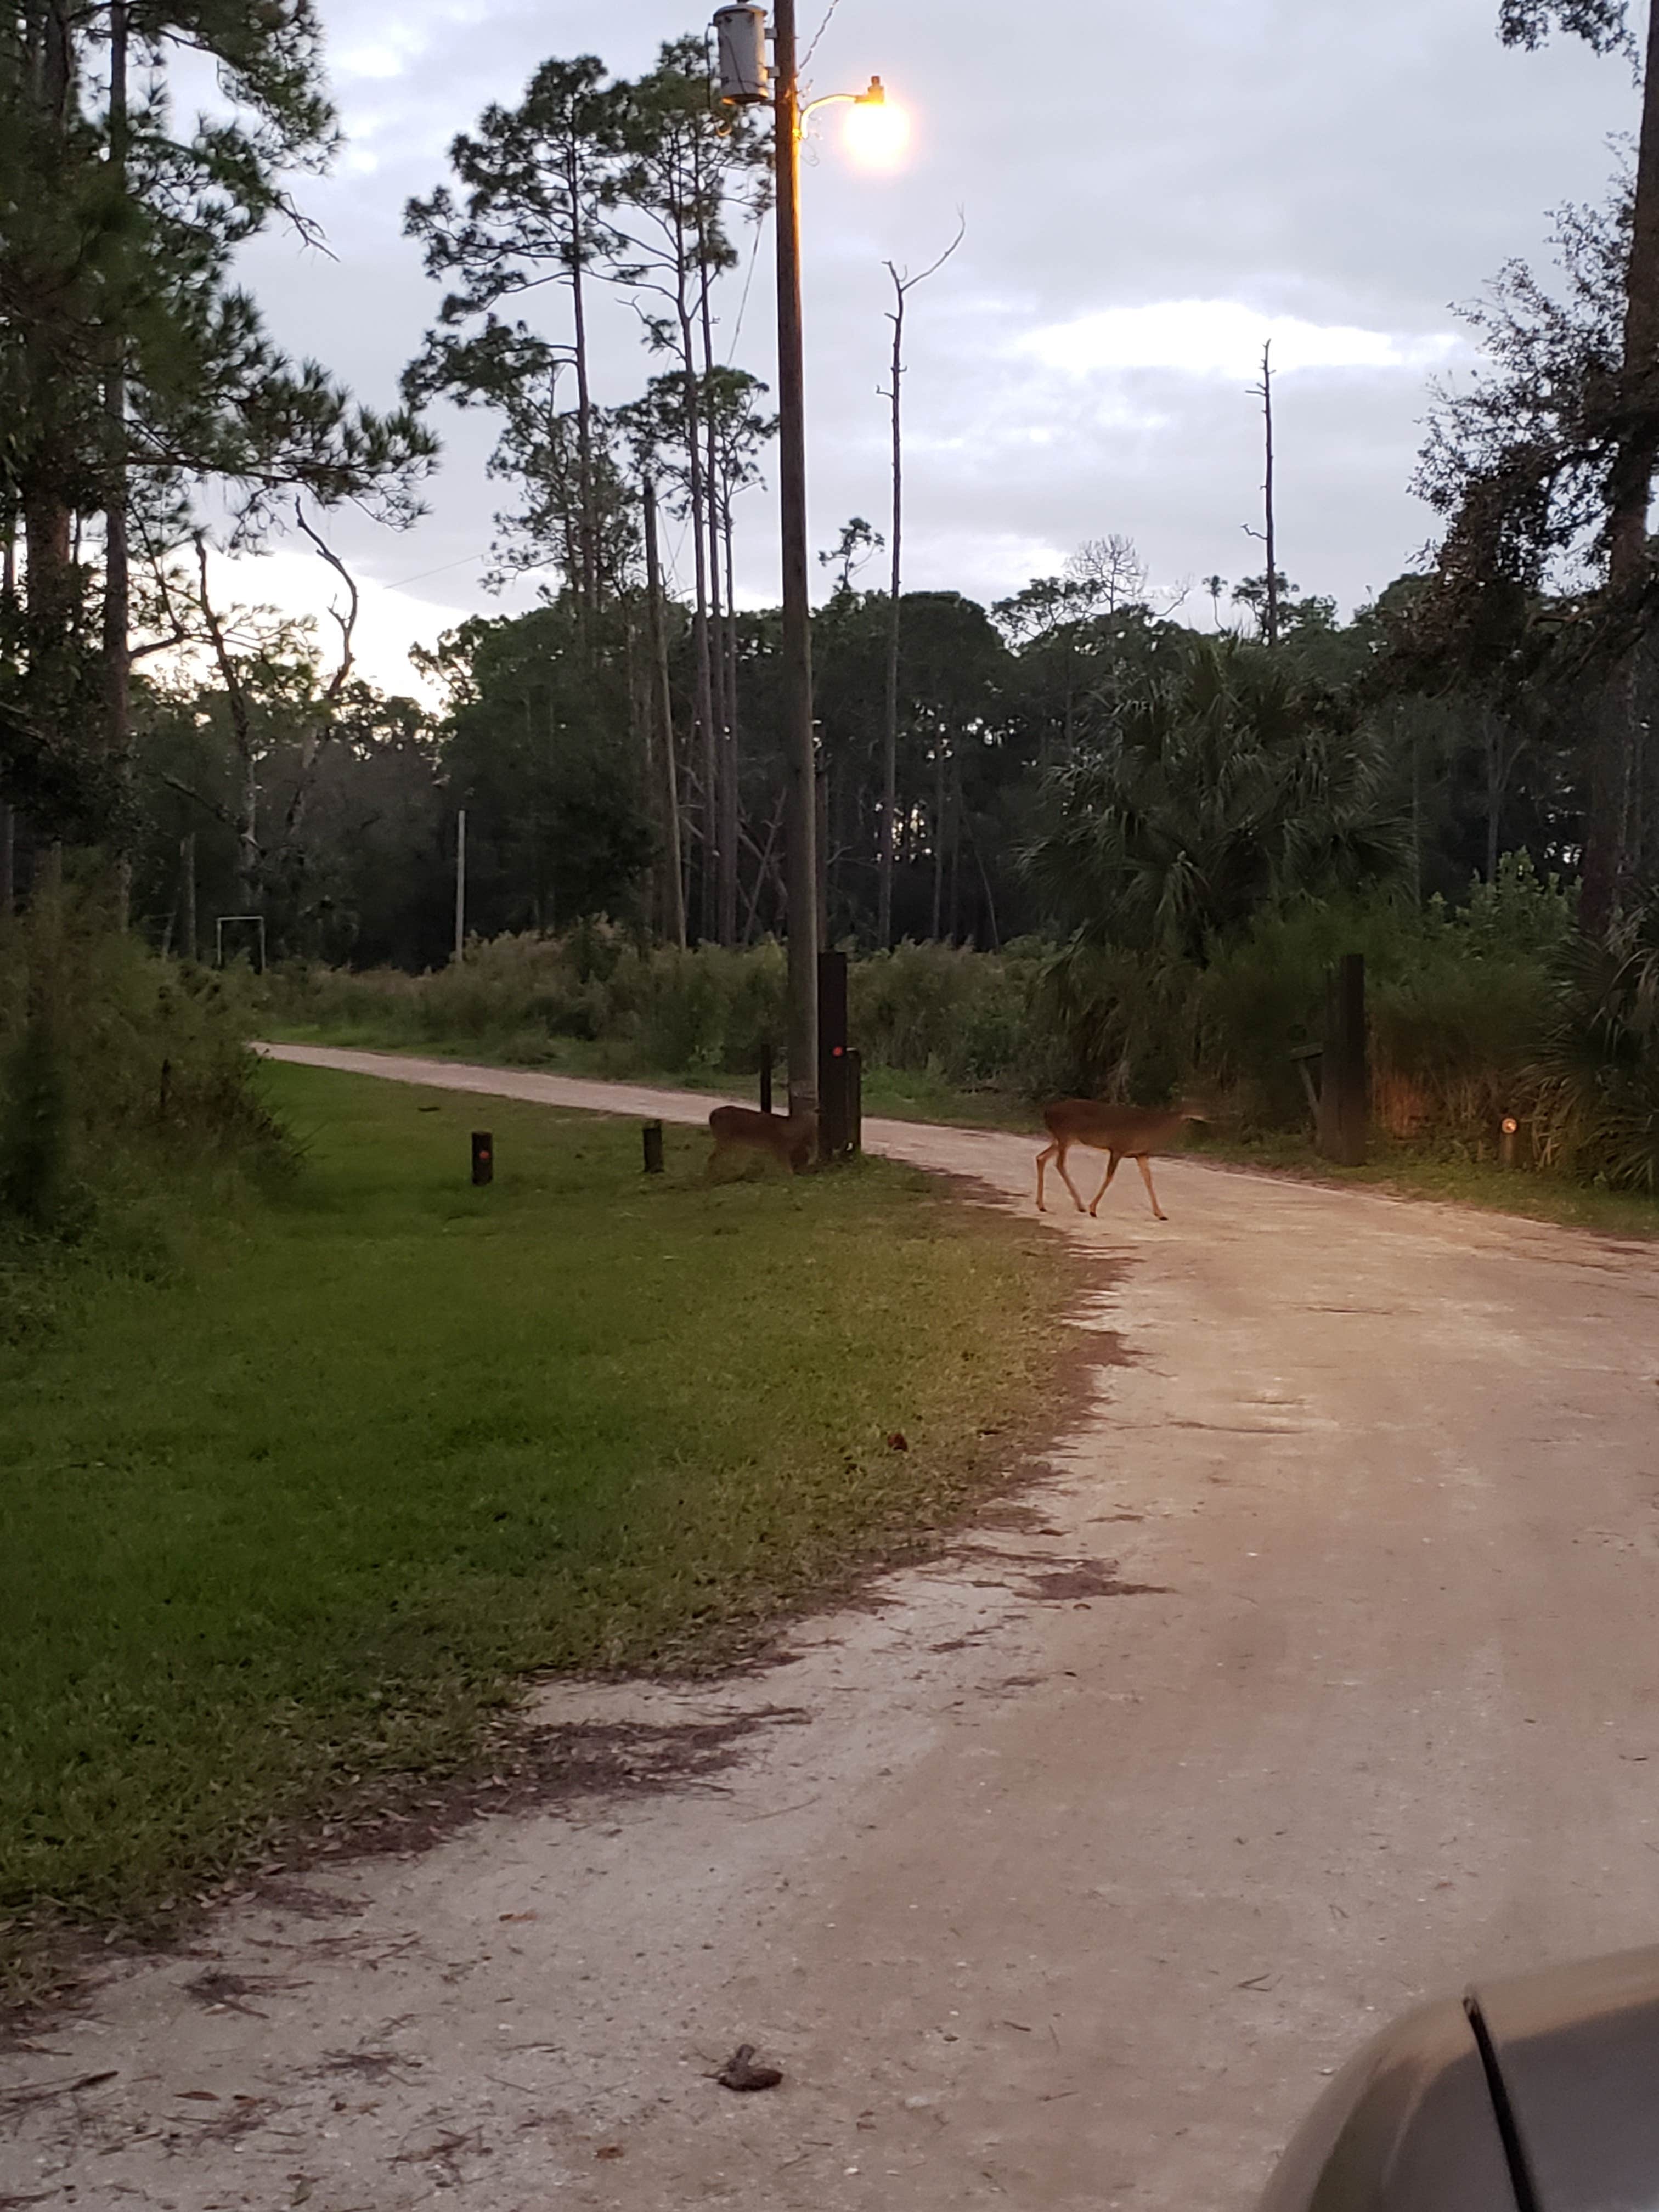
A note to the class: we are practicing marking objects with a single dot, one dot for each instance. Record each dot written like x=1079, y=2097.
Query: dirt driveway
x=1323, y=1675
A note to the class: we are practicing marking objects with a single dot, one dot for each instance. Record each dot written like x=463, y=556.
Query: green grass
x=304, y=1511
x=904, y=1096
x=901, y=1094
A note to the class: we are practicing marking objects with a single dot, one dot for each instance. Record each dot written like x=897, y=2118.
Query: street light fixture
x=876, y=130
x=745, y=81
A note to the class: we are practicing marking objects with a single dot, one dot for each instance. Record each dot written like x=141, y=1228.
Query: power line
x=816, y=35
x=398, y=582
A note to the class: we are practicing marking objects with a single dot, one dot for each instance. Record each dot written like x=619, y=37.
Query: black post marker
x=483, y=1156
x=654, y=1148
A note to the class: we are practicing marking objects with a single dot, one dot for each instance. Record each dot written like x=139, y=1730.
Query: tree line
x=1081, y=757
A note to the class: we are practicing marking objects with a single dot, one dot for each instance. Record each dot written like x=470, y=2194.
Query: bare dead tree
x=903, y=285
x=213, y=629
x=320, y=724
x=1264, y=393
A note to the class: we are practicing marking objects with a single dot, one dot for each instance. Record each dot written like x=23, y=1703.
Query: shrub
x=33, y=1137
x=1597, y=1110
x=1477, y=1012
x=938, y=1008
x=116, y=1069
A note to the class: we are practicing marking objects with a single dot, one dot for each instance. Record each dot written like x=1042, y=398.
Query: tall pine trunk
x=1615, y=860
x=52, y=596
x=725, y=894
x=707, y=743
x=673, y=919
x=117, y=640
x=731, y=781
x=588, y=562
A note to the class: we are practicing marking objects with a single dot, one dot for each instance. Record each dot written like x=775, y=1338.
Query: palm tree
x=1220, y=782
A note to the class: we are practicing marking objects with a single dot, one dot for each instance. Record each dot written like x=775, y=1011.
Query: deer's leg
x=1062, y=1148
x=1145, y=1167
x=1042, y=1160
x=1105, y=1181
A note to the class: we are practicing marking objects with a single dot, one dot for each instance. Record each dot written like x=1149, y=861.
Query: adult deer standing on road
x=789, y=1138
x=1122, y=1132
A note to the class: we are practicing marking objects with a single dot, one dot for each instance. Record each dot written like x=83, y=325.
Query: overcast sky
x=1150, y=191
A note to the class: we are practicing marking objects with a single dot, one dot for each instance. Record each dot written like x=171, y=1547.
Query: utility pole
x=800, y=803
x=739, y=28
x=461, y=883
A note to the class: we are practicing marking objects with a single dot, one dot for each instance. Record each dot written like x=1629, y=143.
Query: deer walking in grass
x=788, y=1138
x=1122, y=1132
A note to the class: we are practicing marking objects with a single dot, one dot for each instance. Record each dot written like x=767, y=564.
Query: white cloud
x=1222, y=337
x=1325, y=174
x=389, y=621
x=388, y=54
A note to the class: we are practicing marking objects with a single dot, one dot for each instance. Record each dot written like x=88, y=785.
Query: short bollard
x=483, y=1155
x=654, y=1148
x=1509, y=1131
x=766, y=1075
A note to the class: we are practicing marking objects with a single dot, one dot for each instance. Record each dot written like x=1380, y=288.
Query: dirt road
x=1044, y=1889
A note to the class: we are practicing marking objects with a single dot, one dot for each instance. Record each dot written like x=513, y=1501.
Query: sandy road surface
x=1041, y=1900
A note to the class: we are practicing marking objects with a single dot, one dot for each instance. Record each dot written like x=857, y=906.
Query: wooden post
x=1344, y=1090
x=766, y=1075
x=832, y=1054
x=1506, y=1141
x=654, y=1148
x=483, y=1156
x=1307, y=1066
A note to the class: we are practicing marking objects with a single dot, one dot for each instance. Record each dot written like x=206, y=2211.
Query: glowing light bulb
x=876, y=133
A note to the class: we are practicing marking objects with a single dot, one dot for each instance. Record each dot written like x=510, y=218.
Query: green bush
x=942, y=1010
x=1596, y=1106
x=125, y=1082
x=1459, y=1002
x=34, y=1134
x=1477, y=1012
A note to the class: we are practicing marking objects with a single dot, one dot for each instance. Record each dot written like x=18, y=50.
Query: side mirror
x=1537, y=2094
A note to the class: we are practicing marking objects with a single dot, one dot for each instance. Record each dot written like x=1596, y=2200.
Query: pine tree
x=133, y=370
x=537, y=181
x=1616, y=865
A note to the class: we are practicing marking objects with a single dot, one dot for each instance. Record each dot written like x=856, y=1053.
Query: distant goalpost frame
x=254, y=921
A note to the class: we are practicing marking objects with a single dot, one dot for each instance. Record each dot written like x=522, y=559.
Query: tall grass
x=933, y=1009
x=1479, y=1011
x=127, y=1092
